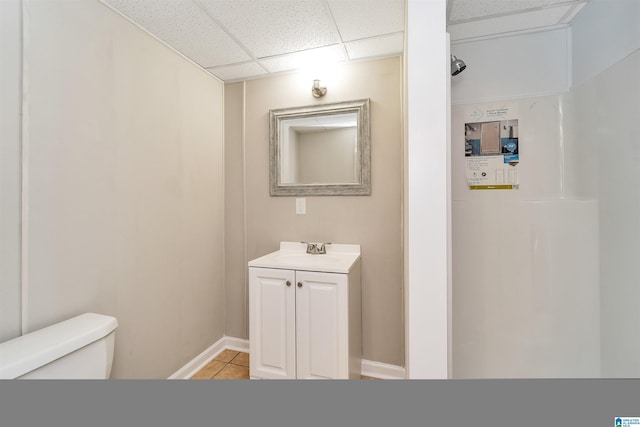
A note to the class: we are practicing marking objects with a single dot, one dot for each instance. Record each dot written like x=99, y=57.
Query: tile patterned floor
x=231, y=365
x=228, y=365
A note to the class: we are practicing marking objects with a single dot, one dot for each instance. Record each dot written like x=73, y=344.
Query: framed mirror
x=320, y=150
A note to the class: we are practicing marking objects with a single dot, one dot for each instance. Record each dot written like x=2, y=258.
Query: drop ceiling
x=479, y=18
x=244, y=39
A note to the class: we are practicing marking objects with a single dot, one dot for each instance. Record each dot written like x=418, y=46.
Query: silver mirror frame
x=360, y=188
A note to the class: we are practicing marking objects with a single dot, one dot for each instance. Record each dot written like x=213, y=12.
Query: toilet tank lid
x=35, y=349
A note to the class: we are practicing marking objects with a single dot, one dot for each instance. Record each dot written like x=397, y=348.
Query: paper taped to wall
x=492, y=148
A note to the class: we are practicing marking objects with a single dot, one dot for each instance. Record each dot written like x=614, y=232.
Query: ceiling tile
x=274, y=27
x=359, y=19
x=307, y=59
x=235, y=39
x=504, y=24
x=238, y=71
x=376, y=46
x=185, y=27
x=462, y=10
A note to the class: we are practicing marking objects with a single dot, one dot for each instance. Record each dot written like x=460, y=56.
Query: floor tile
x=227, y=355
x=209, y=371
x=233, y=372
x=241, y=359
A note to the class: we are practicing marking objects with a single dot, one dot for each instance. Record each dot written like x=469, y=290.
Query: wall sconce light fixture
x=318, y=91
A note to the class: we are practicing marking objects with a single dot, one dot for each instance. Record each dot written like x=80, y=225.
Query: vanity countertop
x=339, y=258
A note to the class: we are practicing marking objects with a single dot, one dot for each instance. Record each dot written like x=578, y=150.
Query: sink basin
x=306, y=258
x=292, y=256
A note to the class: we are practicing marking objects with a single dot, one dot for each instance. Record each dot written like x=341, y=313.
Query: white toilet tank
x=78, y=348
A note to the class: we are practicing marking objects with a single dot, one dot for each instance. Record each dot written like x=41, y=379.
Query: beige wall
x=10, y=129
x=327, y=156
x=124, y=163
x=237, y=320
x=375, y=221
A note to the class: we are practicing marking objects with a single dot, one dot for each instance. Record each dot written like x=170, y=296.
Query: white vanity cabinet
x=304, y=324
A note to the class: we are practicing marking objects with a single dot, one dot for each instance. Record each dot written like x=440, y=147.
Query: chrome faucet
x=314, y=249
x=322, y=249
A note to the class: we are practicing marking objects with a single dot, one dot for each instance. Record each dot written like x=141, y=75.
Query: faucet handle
x=312, y=248
x=322, y=249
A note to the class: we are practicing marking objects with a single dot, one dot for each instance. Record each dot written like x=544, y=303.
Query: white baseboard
x=369, y=368
x=383, y=371
x=201, y=360
x=237, y=344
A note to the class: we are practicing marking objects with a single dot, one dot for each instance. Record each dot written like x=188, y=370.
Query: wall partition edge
x=449, y=224
x=426, y=296
x=244, y=208
x=24, y=226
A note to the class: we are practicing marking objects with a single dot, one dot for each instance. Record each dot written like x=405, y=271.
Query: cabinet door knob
x=299, y=284
x=288, y=283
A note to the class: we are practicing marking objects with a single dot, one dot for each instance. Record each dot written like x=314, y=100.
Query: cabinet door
x=322, y=325
x=272, y=323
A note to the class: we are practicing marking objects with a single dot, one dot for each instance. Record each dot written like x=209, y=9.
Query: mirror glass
x=320, y=150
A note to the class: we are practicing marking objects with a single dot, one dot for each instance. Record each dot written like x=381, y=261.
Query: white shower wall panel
x=603, y=33
x=540, y=143
x=525, y=289
x=512, y=67
x=525, y=261
x=565, y=304
x=605, y=116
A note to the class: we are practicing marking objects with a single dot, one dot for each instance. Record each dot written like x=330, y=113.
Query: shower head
x=457, y=66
